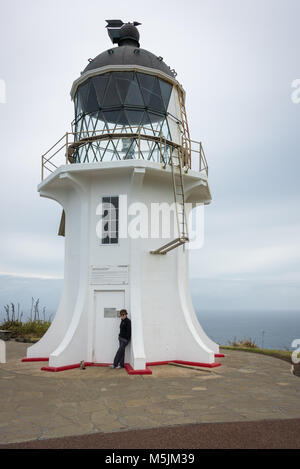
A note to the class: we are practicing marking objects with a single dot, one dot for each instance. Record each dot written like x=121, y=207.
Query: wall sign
x=109, y=275
x=111, y=313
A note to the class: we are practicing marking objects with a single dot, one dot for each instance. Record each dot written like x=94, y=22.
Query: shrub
x=247, y=343
x=33, y=327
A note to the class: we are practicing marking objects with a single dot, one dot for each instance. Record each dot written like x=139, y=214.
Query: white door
x=107, y=324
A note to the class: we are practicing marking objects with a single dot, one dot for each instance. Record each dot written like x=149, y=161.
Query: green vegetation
x=32, y=329
x=248, y=345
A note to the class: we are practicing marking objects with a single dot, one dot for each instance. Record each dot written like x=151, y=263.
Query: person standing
x=124, y=338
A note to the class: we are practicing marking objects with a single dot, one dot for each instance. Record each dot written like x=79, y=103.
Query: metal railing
x=63, y=151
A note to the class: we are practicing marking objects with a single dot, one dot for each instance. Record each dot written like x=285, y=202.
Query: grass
x=32, y=329
x=248, y=345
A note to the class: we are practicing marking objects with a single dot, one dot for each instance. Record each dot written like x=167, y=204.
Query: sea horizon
x=267, y=329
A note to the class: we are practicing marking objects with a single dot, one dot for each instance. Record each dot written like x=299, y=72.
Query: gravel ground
x=269, y=434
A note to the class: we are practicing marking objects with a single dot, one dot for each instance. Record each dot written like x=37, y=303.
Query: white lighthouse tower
x=128, y=160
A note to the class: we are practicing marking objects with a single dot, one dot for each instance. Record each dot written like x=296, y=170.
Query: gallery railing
x=119, y=144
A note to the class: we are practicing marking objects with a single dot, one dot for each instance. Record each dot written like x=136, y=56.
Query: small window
x=110, y=225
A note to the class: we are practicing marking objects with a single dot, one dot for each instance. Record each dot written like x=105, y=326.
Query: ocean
x=280, y=329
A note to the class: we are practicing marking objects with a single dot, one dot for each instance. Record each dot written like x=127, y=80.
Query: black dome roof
x=129, y=55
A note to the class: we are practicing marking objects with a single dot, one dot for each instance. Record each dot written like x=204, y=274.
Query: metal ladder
x=178, y=189
x=186, y=138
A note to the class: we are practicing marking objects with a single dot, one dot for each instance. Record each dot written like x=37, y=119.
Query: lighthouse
x=128, y=179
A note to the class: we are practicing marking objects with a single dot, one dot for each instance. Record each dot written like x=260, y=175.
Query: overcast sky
x=237, y=60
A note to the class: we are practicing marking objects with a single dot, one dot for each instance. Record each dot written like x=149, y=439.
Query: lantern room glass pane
x=134, y=117
x=166, y=90
x=121, y=102
x=92, y=103
x=123, y=81
x=84, y=90
x=118, y=89
x=134, y=95
x=111, y=98
x=100, y=84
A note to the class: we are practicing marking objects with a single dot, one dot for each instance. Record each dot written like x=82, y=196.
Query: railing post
x=139, y=143
x=67, y=147
x=42, y=169
x=200, y=156
x=160, y=144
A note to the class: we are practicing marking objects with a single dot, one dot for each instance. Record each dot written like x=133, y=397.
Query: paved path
x=37, y=405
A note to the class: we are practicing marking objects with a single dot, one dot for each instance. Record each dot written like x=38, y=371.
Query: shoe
x=119, y=366
x=112, y=366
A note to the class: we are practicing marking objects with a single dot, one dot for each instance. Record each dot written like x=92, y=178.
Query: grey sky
x=236, y=60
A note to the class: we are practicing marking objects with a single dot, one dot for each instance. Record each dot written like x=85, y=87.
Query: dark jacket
x=125, y=329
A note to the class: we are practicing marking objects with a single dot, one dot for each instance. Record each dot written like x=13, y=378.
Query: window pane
x=111, y=96
x=92, y=103
x=156, y=102
x=146, y=81
x=122, y=119
x=111, y=117
x=134, y=117
x=154, y=118
x=83, y=91
x=115, y=201
x=166, y=90
x=123, y=81
x=110, y=233
x=100, y=84
x=134, y=97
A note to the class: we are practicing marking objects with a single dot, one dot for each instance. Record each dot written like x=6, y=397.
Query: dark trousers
x=119, y=358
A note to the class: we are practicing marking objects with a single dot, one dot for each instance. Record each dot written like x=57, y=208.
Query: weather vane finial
x=123, y=33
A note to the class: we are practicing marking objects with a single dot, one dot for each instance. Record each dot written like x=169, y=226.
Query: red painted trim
x=204, y=365
x=35, y=359
x=96, y=364
x=182, y=362
x=131, y=371
x=127, y=366
x=71, y=367
x=219, y=355
x=60, y=368
x=157, y=363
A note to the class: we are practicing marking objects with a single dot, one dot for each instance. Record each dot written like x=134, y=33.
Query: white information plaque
x=109, y=275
